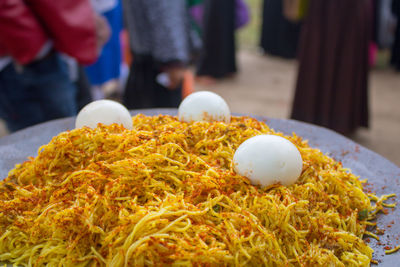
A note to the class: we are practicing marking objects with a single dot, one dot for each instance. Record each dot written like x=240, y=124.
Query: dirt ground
x=265, y=86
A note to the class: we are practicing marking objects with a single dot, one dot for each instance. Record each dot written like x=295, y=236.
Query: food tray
x=383, y=176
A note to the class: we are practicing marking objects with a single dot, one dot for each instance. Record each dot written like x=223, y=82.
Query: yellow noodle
x=390, y=251
x=165, y=193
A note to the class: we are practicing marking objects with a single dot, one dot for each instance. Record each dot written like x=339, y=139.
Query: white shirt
x=4, y=61
x=102, y=6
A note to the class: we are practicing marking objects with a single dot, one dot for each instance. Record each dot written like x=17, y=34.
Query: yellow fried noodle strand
x=165, y=193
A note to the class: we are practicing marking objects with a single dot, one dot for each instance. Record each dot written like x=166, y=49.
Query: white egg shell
x=103, y=111
x=268, y=159
x=204, y=106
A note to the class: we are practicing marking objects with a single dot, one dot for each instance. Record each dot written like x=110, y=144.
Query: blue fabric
x=41, y=91
x=107, y=67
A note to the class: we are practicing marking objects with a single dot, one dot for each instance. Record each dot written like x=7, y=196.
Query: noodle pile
x=165, y=193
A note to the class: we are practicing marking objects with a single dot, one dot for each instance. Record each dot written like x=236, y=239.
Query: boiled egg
x=204, y=106
x=103, y=111
x=268, y=159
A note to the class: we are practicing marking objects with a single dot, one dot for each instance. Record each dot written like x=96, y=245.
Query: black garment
x=83, y=96
x=143, y=90
x=279, y=36
x=332, y=84
x=376, y=6
x=217, y=58
x=160, y=37
x=39, y=91
x=395, y=60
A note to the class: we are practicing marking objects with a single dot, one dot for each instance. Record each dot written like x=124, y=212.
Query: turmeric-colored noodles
x=165, y=193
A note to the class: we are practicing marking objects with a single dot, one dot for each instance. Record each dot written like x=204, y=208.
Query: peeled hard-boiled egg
x=204, y=106
x=268, y=159
x=103, y=111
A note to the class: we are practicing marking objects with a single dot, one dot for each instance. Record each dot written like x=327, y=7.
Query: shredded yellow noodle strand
x=165, y=193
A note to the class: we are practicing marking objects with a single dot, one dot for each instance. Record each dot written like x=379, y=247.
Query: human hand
x=175, y=75
x=103, y=31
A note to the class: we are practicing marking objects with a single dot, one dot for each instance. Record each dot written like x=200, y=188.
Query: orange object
x=188, y=83
x=126, y=52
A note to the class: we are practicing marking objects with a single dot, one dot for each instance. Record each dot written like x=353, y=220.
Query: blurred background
x=334, y=63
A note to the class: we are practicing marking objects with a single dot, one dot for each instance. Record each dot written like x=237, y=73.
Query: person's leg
x=139, y=91
x=54, y=89
x=83, y=96
x=18, y=108
x=217, y=58
x=168, y=98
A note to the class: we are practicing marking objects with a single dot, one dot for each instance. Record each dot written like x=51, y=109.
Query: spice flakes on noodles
x=165, y=193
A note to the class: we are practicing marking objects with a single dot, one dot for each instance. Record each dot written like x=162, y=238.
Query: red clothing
x=26, y=25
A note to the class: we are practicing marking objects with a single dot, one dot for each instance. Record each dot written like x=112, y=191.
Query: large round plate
x=383, y=175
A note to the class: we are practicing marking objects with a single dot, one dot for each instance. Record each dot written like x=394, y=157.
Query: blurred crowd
x=57, y=56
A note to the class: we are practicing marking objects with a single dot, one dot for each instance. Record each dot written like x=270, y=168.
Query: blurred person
x=105, y=72
x=218, y=55
x=279, y=36
x=162, y=41
x=34, y=80
x=80, y=80
x=196, y=10
x=82, y=84
x=384, y=23
x=395, y=60
x=332, y=83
